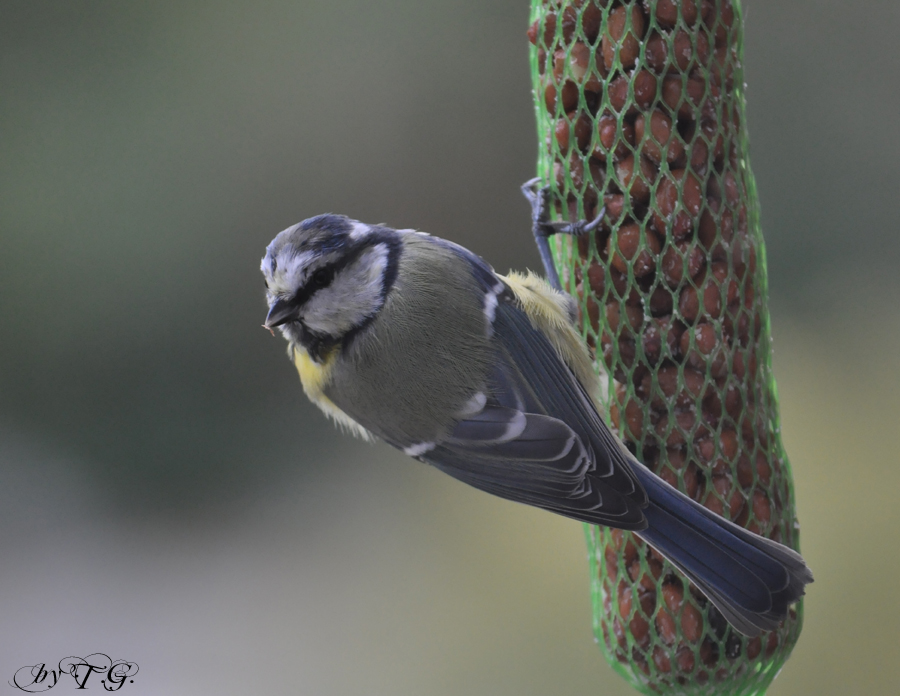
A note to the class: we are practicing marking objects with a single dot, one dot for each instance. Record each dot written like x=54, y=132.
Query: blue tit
x=412, y=339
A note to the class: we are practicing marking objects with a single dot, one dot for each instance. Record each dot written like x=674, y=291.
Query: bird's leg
x=542, y=227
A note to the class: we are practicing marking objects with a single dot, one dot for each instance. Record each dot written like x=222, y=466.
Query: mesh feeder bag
x=640, y=110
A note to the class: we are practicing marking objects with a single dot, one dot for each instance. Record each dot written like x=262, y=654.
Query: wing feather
x=539, y=439
x=559, y=392
x=531, y=433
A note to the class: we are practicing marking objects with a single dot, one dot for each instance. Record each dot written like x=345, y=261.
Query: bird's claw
x=542, y=227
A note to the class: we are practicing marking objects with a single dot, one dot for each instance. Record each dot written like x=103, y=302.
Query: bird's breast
x=314, y=375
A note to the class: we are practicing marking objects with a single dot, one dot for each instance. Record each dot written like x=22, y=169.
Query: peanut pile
x=644, y=109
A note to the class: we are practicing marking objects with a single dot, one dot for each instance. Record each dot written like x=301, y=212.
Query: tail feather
x=750, y=579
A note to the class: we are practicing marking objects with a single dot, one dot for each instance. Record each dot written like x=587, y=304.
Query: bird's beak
x=280, y=312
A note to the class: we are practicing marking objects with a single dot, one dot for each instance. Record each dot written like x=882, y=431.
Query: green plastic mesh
x=640, y=108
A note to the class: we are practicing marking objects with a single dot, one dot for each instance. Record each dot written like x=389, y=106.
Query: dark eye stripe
x=324, y=276
x=320, y=279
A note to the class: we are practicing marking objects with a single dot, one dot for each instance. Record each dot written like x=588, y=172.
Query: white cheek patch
x=354, y=295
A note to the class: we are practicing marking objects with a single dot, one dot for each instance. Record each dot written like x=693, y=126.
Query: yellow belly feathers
x=315, y=377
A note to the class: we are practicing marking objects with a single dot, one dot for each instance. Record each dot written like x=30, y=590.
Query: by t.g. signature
x=36, y=678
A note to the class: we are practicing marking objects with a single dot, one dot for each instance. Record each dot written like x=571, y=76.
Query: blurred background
x=168, y=496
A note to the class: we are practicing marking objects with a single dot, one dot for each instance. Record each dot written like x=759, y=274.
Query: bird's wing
x=534, y=435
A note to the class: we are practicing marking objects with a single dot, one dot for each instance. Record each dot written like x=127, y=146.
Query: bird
x=412, y=339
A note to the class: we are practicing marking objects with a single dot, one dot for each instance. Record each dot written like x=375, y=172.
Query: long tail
x=750, y=579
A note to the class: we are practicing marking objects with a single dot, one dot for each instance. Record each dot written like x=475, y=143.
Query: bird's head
x=326, y=279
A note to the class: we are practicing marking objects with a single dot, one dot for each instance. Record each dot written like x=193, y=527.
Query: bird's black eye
x=322, y=277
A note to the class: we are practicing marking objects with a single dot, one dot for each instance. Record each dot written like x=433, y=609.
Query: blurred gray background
x=167, y=495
